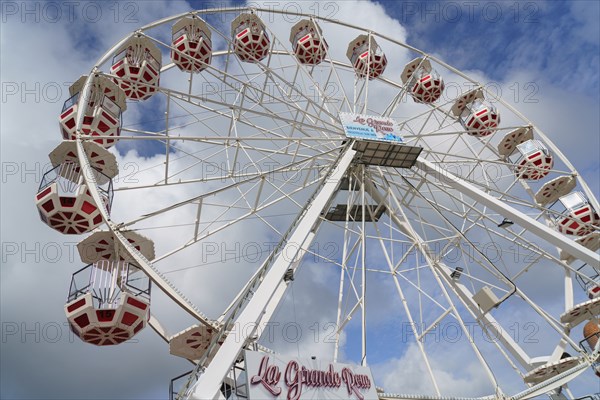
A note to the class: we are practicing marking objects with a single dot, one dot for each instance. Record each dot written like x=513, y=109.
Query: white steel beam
x=209, y=382
x=486, y=320
x=283, y=285
x=159, y=328
x=535, y=227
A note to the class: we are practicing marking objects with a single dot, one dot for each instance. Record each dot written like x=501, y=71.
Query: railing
x=234, y=387
x=420, y=73
x=138, y=283
x=374, y=50
x=585, y=343
x=152, y=61
x=111, y=107
x=120, y=55
x=96, y=97
x=306, y=31
x=194, y=34
x=136, y=55
x=591, y=279
x=474, y=107
x=67, y=177
x=254, y=27
x=107, y=280
x=240, y=28
x=173, y=385
x=107, y=193
x=80, y=284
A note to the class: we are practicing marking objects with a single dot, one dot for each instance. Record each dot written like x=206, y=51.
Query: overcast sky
x=544, y=55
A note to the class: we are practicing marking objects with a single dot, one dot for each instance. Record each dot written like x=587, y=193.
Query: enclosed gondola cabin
x=250, y=39
x=136, y=67
x=308, y=43
x=423, y=82
x=475, y=114
x=578, y=217
x=102, y=113
x=192, y=45
x=366, y=57
x=108, y=302
x=534, y=161
x=480, y=119
x=64, y=200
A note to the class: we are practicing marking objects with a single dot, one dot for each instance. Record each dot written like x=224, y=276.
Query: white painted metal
x=363, y=256
x=209, y=382
x=141, y=261
x=155, y=324
x=283, y=285
x=544, y=232
x=458, y=288
x=404, y=225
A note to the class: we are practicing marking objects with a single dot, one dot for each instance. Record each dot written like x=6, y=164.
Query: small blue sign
x=367, y=127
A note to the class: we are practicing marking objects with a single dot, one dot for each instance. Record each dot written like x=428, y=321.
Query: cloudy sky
x=543, y=56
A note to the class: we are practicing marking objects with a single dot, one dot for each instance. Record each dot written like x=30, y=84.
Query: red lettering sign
x=268, y=376
x=379, y=125
x=297, y=377
x=355, y=382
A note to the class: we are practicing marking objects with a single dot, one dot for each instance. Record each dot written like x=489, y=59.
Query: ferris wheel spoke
x=476, y=221
x=413, y=325
x=310, y=113
x=426, y=115
x=198, y=101
x=516, y=238
x=220, y=228
x=266, y=154
x=270, y=134
x=339, y=85
x=333, y=81
x=533, y=226
x=489, y=186
x=200, y=235
x=214, y=192
x=552, y=322
x=487, y=265
x=401, y=221
x=453, y=312
x=318, y=112
x=402, y=95
x=304, y=74
x=394, y=266
x=270, y=74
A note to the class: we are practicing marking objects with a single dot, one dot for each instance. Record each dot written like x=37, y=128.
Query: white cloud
x=409, y=374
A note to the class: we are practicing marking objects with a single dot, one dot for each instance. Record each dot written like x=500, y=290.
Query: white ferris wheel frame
x=272, y=287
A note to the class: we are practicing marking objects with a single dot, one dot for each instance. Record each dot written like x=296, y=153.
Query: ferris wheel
x=453, y=218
